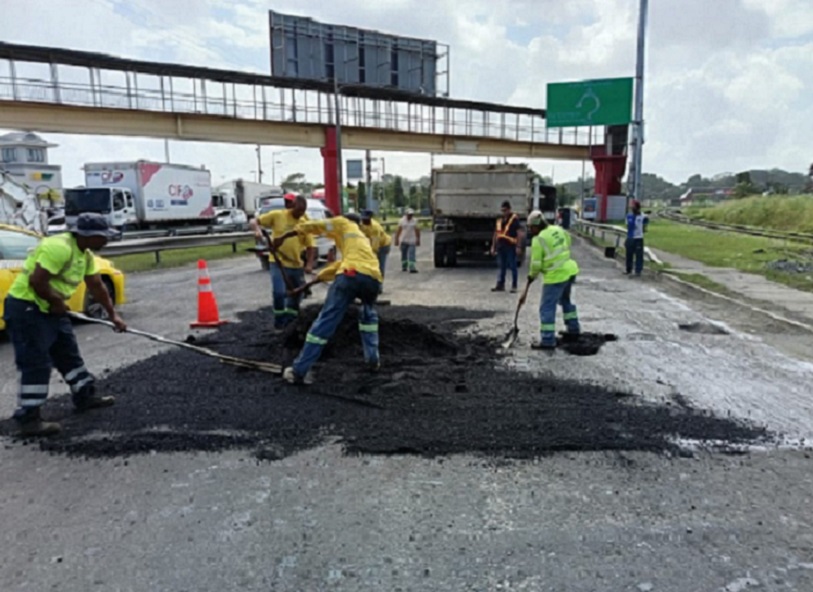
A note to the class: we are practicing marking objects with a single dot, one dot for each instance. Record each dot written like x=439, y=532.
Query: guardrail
x=170, y=243
x=601, y=231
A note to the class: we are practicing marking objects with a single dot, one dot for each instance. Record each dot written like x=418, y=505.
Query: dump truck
x=466, y=202
x=144, y=195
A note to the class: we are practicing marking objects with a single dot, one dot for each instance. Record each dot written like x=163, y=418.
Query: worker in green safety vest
x=550, y=256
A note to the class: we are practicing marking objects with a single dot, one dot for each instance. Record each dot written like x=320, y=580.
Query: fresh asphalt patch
x=441, y=390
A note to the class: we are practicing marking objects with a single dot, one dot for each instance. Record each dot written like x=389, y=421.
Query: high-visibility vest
x=550, y=256
x=502, y=231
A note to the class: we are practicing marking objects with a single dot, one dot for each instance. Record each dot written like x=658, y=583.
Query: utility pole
x=638, y=117
x=259, y=165
x=369, y=180
x=342, y=205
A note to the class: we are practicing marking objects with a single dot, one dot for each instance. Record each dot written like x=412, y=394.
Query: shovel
x=243, y=363
x=511, y=337
x=289, y=286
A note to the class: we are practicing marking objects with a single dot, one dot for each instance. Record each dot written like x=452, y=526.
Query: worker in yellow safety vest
x=550, y=257
x=358, y=276
x=379, y=239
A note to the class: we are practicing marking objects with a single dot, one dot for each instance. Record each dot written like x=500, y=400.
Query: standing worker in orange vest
x=507, y=245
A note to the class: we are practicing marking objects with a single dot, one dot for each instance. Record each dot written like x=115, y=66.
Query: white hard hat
x=409, y=211
x=535, y=218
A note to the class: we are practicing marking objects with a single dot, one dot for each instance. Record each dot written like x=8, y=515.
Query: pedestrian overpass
x=77, y=92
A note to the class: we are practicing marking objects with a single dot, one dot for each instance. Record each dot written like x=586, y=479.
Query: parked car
x=17, y=243
x=326, y=248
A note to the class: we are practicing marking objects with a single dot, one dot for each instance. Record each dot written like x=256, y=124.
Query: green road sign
x=590, y=102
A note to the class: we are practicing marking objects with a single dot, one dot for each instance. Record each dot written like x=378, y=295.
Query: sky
x=728, y=83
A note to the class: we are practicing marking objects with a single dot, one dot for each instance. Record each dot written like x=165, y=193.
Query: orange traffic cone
x=208, y=316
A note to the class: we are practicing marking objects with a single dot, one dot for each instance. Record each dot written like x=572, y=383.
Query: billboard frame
x=347, y=69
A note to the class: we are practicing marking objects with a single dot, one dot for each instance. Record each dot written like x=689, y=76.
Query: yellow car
x=16, y=243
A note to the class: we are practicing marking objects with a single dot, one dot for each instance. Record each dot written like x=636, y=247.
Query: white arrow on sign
x=589, y=94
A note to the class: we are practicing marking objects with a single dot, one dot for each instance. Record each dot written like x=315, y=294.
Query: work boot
x=498, y=289
x=513, y=289
x=413, y=270
x=543, y=347
x=32, y=425
x=373, y=366
x=87, y=403
x=290, y=377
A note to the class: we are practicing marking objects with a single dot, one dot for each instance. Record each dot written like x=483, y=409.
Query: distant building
x=24, y=155
x=705, y=195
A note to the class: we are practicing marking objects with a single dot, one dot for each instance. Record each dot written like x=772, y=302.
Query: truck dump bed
x=477, y=191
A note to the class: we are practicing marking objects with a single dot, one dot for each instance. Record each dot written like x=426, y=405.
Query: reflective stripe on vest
x=502, y=233
x=557, y=252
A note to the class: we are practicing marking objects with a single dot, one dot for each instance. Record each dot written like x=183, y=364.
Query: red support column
x=333, y=200
x=609, y=172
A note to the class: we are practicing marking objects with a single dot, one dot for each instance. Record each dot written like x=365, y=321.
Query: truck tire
x=451, y=255
x=440, y=255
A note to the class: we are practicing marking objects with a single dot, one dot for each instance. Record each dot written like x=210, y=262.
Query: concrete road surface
x=320, y=520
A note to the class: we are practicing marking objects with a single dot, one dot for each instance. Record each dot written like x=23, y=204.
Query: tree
x=361, y=190
x=414, y=197
x=398, y=195
x=296, y=183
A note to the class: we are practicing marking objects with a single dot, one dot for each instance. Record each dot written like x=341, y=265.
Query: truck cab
x=117, y=204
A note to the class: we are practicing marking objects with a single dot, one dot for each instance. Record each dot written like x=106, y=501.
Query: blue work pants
x=507, y=259
x=554, y=295
x=344, y=290
x=383, y=253
x=407, y=256
x=43, y=341
x=635, y=251
x=286, y=308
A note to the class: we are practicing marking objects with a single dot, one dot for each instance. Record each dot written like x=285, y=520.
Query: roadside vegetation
x=179, y=257
x=775, y=212
x=751, y=254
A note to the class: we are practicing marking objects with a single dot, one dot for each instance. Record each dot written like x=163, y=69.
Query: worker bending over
x=379, y=239
x=357, y=277
x=286, y=308
x=550, y=256
x=39, y=326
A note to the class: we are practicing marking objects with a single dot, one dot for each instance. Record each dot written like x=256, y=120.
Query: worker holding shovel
x=287, y=267
x=39, y=326
x=358, y=276
x=550, y=256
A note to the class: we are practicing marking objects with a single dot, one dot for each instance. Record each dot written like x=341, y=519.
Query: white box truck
x=247, y=195
x=144, y=195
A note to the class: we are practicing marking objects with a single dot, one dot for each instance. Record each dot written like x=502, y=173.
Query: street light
x=275, y=162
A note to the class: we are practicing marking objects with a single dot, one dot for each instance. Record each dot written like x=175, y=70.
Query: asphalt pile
x=441, y=390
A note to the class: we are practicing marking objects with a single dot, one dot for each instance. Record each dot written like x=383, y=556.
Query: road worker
x=506, y=244
x=379, y=239
x=286, y=308
x=408, y=237
x=39, y=327
x=550, y=256
x=357, y=276
x=634, y=245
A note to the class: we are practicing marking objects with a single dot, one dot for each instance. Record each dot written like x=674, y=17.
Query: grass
x=775, y=212
x=729, y=249
x=178, y=257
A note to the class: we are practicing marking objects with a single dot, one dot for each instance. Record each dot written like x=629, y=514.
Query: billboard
x=589, y=102
x=307, y=49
